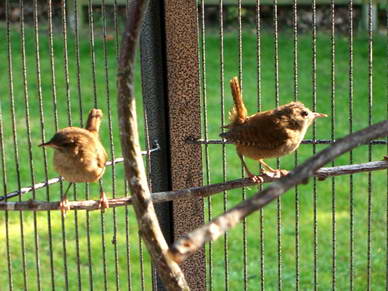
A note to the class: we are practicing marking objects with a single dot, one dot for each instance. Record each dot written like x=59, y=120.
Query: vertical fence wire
x=224, y=165
x=127, y=242
x=28, y=129
x=92, y=52
x=296, y=95
x=140, y=243
x=55, y=113
x=15, y=142
x=80, y=105
x=259, y=103
x=93, y=66
x=89, y=244
x=69, y=118
x=141, y=262
x=39, y=87
x=89, y=247
x=78, y=63
x=243, y=190
x=148, y=168
x=111, y=145
x=350, y=119
x=66, y=61
x=205, y=132
x=277, y=101
x=386, y=116
x=6, y=218
x=127, y=237
x=370, y=100
x=333, y=113
x=314, y=97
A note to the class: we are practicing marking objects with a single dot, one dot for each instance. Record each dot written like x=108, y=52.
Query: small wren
x=79, y=156
x=267, y=134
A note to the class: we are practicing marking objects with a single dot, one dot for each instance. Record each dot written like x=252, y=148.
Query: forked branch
x=194, y=240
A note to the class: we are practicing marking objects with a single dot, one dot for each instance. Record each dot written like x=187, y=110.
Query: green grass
x=235, y=237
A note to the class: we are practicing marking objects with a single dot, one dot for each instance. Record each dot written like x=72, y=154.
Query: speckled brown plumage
x=79, y=155
x=267, y=134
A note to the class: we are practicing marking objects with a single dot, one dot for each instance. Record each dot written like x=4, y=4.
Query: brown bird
x=267, y=134
x=79, y=155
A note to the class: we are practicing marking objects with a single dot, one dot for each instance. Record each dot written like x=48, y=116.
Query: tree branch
x=170, y=273
x=194, y=240
x=194, y=192
x=55, y=180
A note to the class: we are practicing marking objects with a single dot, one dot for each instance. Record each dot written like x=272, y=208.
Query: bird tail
x=94, y=120
x=238, y=114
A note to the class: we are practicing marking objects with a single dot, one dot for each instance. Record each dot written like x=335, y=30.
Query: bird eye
x=304, y=113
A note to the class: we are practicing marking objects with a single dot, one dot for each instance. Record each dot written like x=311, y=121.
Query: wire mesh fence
x=60, y=60
x=55, y=75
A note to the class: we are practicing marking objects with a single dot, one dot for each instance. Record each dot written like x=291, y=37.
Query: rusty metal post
x=182, y=66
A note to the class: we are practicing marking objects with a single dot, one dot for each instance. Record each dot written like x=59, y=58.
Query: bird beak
x=318, y=115
x=45, y=144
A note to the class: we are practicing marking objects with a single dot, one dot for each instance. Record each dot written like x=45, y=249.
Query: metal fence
x=60, y=60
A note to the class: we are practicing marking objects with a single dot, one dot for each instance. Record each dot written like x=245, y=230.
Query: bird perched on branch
x=267, y=134
x=79, y=155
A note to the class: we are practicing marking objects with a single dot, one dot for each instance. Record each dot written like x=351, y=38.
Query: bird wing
x=261, y=131
x=102, y=157
x=89, y=147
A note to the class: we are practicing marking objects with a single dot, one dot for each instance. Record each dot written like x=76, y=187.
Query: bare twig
x=55, y=180
x=194, y=192
x=37, y=186
x=194, y=240
x=170, y=273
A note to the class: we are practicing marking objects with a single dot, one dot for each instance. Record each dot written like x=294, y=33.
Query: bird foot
x=276, y=173
x=256, y=178
x=104, y=203
x=64, y=206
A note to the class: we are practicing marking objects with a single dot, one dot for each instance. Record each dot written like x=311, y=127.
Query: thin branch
x=37, y=186
x=194, y=192
x=194, y=240
x=170, y=273
x=55, y=180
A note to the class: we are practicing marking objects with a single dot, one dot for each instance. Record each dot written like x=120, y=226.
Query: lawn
x=94, y=87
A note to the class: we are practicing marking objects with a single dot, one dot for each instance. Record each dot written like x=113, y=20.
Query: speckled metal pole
x=184, y=121
x=156, y=110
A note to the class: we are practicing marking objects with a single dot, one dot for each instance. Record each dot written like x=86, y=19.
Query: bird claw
x=256, y=178
x=64, y=206
x=276, y=173
x=103, y=203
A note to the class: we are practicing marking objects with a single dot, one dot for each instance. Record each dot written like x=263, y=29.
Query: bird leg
x=63, y=204
x=254, y=178
x=104, y=203
x=272, y=172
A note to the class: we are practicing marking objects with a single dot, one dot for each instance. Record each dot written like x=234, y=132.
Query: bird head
x=60, y=141
x=296, y=116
